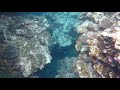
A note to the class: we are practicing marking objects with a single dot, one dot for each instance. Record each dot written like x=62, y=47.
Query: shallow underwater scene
x=59, y=44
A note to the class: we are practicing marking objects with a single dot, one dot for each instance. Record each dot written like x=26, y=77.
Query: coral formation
x=65, y=68
x=63, y=23
x=26, y=42
x=102, y=43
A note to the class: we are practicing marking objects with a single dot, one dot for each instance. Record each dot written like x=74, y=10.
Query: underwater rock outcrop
x=24, y=44
x=62, y=23
x=99, y=46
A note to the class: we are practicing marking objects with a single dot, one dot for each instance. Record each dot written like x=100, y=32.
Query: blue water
x=57, y=52
x=21, y=13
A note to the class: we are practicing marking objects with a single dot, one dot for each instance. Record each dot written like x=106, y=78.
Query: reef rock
x=8, y=51
x=84, y=67
x=30, y=43
x=63, y=23
x=103, y=47
x=65, y=69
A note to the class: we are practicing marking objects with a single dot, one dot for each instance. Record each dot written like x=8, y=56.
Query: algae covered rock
x=62, y=24
x=28, y=47
x=9, y=51
x=103, y=47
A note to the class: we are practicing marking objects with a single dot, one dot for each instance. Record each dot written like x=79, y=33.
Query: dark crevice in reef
x=58, y=53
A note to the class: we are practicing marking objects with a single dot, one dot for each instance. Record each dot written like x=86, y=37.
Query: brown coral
x=103, y=50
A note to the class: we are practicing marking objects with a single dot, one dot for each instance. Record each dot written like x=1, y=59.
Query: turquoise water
x=21, y=13
x=57, y=53
x=63, y=25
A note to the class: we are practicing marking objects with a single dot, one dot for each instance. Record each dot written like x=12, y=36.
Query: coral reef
x=99, y=46
x=24, y=44
x=84, y=67
x=65, y=68
x=28, y=43
x=63, y=23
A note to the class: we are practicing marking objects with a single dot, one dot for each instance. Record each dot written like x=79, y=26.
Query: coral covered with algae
x=62, y=24
x=25, y=44
x=101, y=45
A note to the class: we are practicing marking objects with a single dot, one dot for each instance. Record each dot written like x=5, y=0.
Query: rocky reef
x=62, y=23
x=29, y=42
x=24, y=44
x=99, y=46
